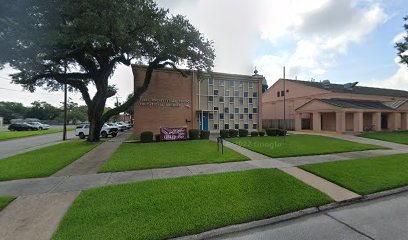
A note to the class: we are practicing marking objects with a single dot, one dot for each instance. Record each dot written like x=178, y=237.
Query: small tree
x=402, y=47
x=80, y=43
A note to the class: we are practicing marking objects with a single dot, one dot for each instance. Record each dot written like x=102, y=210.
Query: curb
x=289, y=216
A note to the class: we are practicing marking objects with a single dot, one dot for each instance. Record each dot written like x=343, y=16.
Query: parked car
x=21, y=127
x=126, y=125
x=83, y=130
x=120, y=127
x=40, y=126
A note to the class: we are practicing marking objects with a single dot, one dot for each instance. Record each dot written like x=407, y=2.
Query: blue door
x=203, y=121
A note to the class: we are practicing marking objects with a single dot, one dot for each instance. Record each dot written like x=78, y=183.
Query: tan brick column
x=376, y=121
x=317, y=121
x=393, y=121
x=340, y=121
x=298, y=121
x=358, y=122
x=404, y=121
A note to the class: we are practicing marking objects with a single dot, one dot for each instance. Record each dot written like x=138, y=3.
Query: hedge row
x=231, y=133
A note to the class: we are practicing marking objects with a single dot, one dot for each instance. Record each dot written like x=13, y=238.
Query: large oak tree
x=402, y=46
x=80, y=43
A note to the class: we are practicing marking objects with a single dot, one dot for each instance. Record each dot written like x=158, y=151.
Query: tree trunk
x=95, y=112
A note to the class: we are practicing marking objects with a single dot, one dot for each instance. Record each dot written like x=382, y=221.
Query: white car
x=83, y=130
x=40, y=126
x=126, y=125
x=119, y=126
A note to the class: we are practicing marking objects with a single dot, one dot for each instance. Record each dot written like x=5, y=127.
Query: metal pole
x=64, y=135
x=284, y=106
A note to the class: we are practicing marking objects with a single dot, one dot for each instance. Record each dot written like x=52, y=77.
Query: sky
x=339, y=40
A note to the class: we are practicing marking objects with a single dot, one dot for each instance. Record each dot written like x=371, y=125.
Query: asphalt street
x=385, y=218
x=19, y=145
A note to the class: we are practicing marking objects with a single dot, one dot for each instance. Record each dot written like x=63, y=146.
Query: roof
x=363, y=104
x=339, y=88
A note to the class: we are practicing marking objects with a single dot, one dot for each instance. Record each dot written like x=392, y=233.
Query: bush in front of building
x=243, y=133
x=261, y=134
x=146, y=137
x=275, y=132
x=254, y=134
x=232, y=133
x=194, y=134
x=224, y=133
x=157, y=137
x=204, y=134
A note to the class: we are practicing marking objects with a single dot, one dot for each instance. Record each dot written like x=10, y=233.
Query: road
x=385, y=218
x=20, y=145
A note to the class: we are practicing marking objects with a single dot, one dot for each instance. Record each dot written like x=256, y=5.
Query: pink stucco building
x=324, y=106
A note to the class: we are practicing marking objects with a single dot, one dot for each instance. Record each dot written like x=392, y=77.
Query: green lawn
x=4, y=201
x=43, y=162
x=169, y=208
x=397, y=137
x=134, y=156
x=19, y=134
x=299, y=145
x=365, y=175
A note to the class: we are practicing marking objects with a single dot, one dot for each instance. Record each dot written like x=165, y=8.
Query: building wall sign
x=173, y=134
x=157, y=102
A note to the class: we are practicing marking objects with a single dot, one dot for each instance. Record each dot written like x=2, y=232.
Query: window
x=221, y=115
x=226, y=110
x=215, y=92
x=210, y=98
x=255, y=126
x=236, y=93
x=231, y=116
x=241, y=83
x=245, y=110
x=215, y=126
x=210, y=116
x=216, y=108
x=221, y=99
x=250, y=84
x=221, y=82
x=245, y=126
x=245, y=94
x=249, y=100
x=227, y=93
x=241, y=116
x=210, y=81
x=236, y=110
x=236, y=126
x=255, y=110
x=282, y=93
x=241, y=100
x=278, y=94
x=231, y=99
x=255, y=94
x=250, y=116
x=226, y=126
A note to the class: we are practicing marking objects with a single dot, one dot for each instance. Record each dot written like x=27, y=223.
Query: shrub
x=261, y=134
x=205, y=134
x=157, y=137
x=243, y=133
x=224, y=133
x=194, y=134
x=254, y=134
x=146, y=137
x=233, y=133
x=275, y=132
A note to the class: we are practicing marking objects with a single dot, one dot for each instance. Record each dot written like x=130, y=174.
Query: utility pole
x=284, y=106
x=64, y=135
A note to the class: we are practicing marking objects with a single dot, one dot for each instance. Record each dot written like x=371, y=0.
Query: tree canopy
x=80, y=43
x=402, y=47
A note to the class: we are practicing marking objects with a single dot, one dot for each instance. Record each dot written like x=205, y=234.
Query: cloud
x=399, y=37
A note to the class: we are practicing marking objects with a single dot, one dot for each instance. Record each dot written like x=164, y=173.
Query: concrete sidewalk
x=90, y=162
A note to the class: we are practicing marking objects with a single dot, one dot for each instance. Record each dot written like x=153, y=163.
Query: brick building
x=325, y=106
x=206, y=101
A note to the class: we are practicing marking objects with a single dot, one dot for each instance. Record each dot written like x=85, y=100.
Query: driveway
x=385, y=218
x=19, y=145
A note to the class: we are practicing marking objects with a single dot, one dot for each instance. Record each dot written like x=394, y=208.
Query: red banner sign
x=173, y=134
